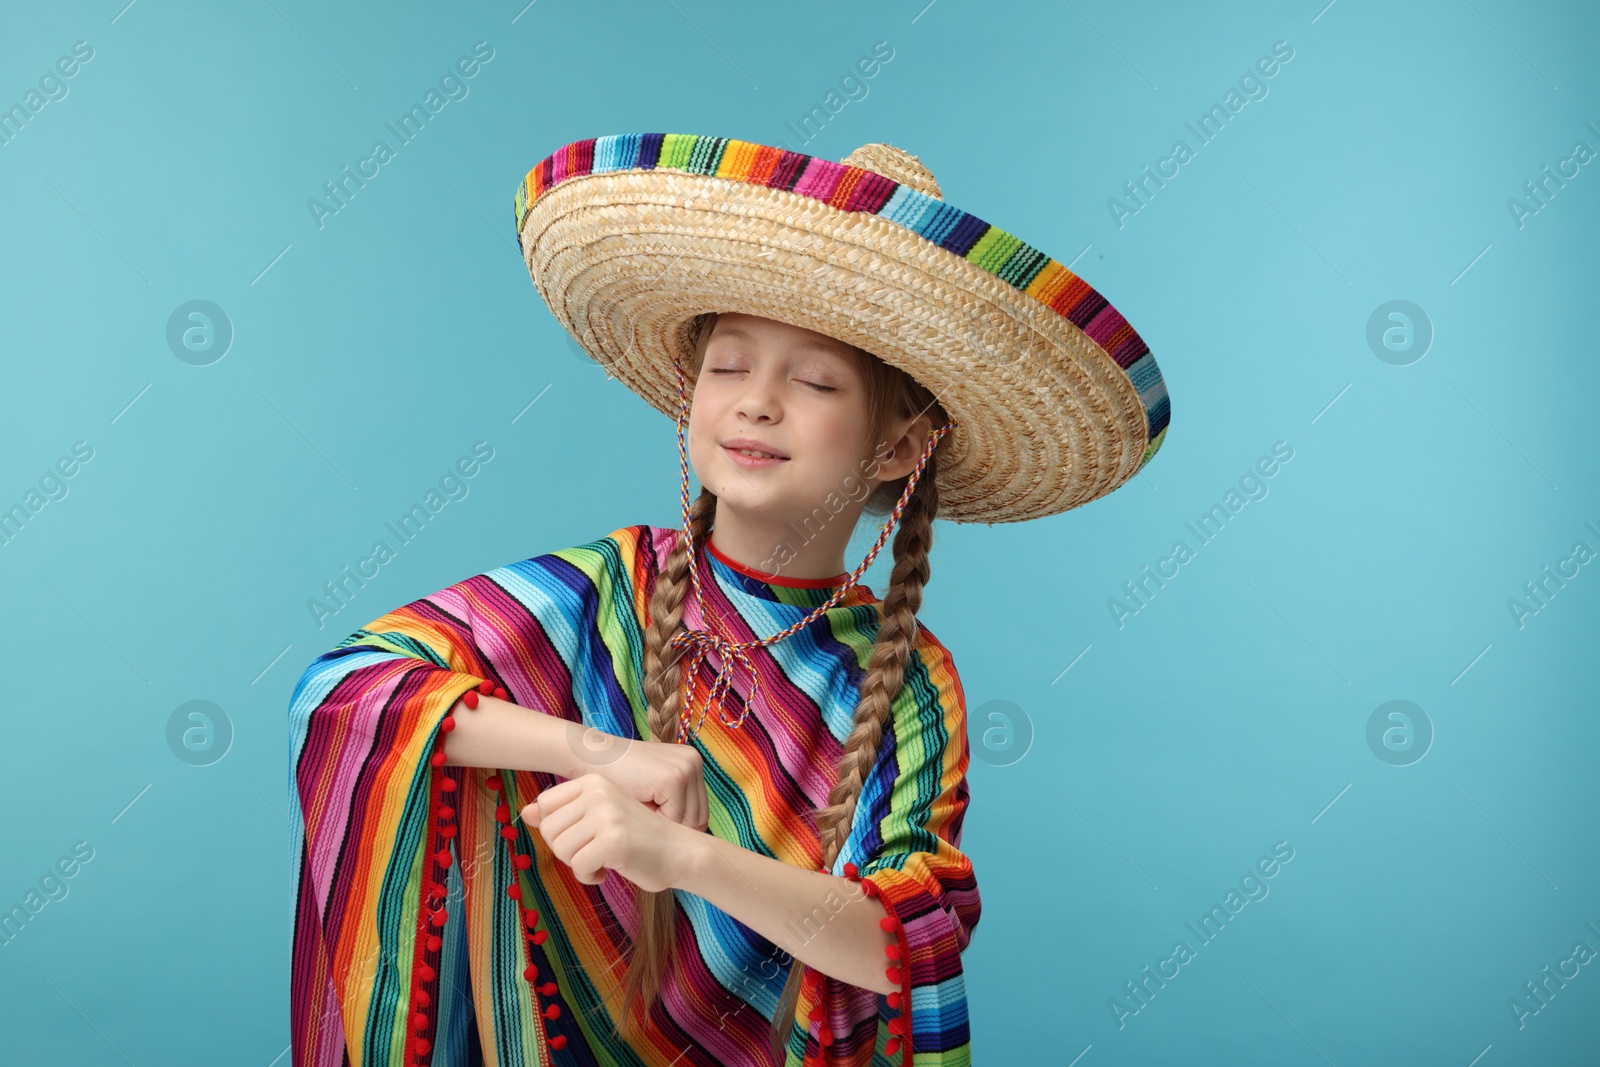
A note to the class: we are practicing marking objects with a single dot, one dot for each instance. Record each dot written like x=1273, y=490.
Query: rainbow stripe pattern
x=858, y=189
x=563, y=632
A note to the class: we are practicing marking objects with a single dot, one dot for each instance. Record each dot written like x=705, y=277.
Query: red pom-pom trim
x=553, y=1011
x=470, y=698
x=486, y=687
x=501, y=693
x=493, y=782
x=558, y=1042
x=891, y=1046
x=437, y=759
x=538, y=936
x=852, y=872
x=548, y=989
x=448, y=785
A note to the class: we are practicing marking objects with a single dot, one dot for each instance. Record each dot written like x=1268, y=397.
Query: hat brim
x=1056, y=399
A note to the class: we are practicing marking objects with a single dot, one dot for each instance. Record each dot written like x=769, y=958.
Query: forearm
x=821, y=919
x=506, y=736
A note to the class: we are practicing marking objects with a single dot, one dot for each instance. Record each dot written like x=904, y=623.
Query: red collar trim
x=797, y=583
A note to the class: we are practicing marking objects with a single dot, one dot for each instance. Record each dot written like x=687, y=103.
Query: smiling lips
x=752, y=454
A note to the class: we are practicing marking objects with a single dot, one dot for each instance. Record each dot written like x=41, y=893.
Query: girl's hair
x=891, y=394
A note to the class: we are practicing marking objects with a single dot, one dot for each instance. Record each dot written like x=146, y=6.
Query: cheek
x=700, y=434
x=841, y=435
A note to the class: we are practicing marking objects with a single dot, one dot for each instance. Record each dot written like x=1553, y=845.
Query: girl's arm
x=506, y=736
x=821, y=919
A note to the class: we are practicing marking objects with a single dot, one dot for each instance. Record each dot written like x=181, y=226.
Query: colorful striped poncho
x=564, y=633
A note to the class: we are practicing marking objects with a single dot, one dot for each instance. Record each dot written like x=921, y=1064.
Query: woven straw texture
x=1057, y=401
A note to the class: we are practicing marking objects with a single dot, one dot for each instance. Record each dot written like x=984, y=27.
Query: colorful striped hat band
x=697, y=643
x=1055, y=400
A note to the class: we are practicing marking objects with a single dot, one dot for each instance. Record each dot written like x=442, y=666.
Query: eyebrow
x=808, y=342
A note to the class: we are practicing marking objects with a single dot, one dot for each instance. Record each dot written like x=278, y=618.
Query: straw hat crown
x=896, y=164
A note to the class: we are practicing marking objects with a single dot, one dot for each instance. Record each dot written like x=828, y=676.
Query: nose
x=758, y=399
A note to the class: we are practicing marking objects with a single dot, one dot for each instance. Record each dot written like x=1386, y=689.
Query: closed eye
x=735, y=370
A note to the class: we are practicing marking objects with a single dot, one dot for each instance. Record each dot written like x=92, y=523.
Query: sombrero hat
x=1055, y=399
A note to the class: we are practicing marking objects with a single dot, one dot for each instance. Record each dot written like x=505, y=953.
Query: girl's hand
x=591, y=823
x=664, y=777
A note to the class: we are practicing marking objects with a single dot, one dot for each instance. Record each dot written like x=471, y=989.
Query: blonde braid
x=897, y=633
x=663, y=691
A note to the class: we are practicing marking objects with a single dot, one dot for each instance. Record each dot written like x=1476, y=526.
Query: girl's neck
x=788, y=552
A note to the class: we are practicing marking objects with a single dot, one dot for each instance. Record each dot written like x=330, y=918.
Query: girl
x=694, y=795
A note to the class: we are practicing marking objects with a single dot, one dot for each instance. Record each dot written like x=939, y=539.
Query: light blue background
x=1229, y=714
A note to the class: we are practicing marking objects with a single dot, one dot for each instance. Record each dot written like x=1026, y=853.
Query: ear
x=907, y=438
